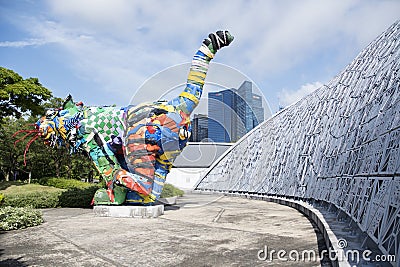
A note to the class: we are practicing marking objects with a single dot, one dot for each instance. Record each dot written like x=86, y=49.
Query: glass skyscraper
x=199, y=128
x=222, y=116
x=252, y=112
x=233, y=112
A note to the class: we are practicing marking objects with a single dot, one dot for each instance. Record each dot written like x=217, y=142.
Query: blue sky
x=103, y=51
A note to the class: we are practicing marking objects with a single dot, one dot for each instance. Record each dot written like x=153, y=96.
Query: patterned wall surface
x=340, y=145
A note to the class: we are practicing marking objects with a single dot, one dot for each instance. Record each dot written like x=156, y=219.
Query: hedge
x=170, y=191
x=63, y=183
x=72, y=193
x=78, y=194
x=69, y=193
x=12, y=218
x=36, y=200
x=77, y=197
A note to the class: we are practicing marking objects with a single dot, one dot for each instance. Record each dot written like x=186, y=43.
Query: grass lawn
x=30, y=195
x=4, y=184
x=12, y=188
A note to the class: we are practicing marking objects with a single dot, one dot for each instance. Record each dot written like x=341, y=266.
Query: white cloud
x=288, y=97
x=31, y=42
x=271, y=35
x=118, y=44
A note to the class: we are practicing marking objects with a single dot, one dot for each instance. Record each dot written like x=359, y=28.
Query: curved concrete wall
x=340, y=144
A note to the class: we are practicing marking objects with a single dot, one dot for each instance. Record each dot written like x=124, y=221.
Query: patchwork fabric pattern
x=107, y=120
x=134, y=147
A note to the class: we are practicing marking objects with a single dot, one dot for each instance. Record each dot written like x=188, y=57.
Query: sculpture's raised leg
x=156, y=133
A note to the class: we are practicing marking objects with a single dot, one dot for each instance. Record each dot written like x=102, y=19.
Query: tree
x=8, y=153
x=18, y=95
x=42, y=161
x=21, y=101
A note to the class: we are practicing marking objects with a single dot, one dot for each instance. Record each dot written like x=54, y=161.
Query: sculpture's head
x=54, y=126
x=50, y=128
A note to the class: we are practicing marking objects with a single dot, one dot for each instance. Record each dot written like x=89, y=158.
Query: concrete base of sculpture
x=129, y=211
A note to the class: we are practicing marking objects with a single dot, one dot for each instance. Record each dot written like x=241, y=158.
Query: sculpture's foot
x=139, y=189
x=216, y=41
x=101, y=197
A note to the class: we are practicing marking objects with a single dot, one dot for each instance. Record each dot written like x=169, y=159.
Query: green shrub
x=78, y=197
x=37, y=200
x=78, y=194
x=102, y=183
x=27, y=188
x=67, y=198
x=16, y=218
x=31, y=195
x=1, y=198
x=70, y=193
x=170, y=191
x=64, y=183
x=6, y=184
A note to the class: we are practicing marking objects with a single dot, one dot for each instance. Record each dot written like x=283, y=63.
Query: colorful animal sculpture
x=133, y=147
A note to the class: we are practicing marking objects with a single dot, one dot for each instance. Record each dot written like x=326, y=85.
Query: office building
x=233, y=112
x=222, y=116
x=199, y=128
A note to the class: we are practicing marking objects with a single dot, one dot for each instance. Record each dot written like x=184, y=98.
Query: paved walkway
x=203, y=230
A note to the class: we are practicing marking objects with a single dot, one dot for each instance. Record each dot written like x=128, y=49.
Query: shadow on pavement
x=171, y=207
x=11, y=262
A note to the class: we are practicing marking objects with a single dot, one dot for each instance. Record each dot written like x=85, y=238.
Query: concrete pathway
x=202, y=230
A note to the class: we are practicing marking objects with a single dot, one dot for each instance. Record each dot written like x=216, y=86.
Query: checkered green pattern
x=106, y=120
